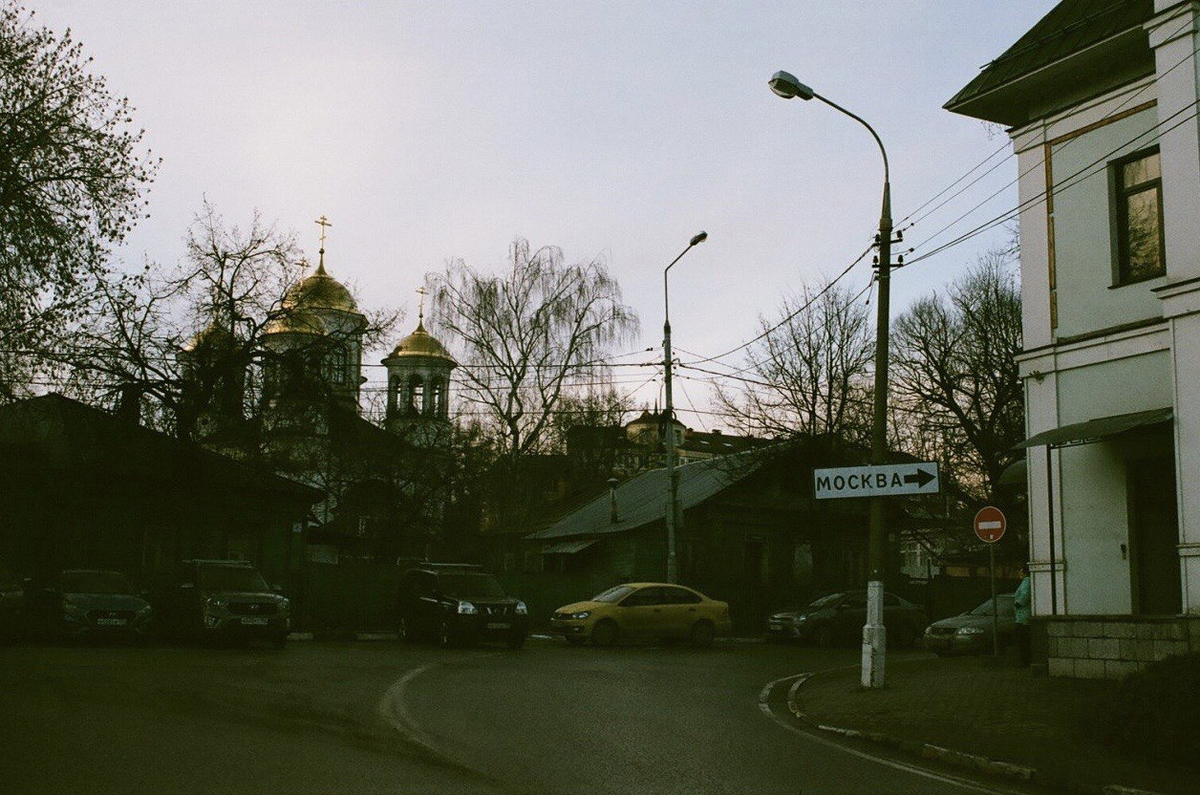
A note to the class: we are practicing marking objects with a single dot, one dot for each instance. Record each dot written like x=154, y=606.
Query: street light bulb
x=699, y=238
x=787, y=86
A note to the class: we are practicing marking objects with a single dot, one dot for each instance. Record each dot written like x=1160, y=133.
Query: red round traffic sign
x=990, y=524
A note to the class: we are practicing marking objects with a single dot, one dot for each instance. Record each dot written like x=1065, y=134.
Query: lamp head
x=699, y=238
x=787, y=86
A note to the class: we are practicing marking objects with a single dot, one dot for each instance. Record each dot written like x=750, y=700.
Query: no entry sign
x=990, y=524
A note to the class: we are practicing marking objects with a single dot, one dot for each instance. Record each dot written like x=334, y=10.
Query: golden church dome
x=420, y=343
x=319, y=291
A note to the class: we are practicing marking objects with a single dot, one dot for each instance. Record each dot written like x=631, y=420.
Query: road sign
x=990, y=524
x=885, y=480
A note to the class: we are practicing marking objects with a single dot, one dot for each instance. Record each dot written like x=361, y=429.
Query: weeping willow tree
x=530, y=336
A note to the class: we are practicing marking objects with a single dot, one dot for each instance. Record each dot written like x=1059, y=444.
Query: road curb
x=993, y=768
x=342, y=636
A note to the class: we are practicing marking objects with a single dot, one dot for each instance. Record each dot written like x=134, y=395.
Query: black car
x=87, y=602
x=839, y=618
x=458, y=603
x=226, y=600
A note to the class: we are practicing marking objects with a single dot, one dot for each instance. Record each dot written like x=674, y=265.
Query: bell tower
x=418, y=396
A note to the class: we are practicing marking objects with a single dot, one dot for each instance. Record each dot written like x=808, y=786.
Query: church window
x=337, y=366
x=416, y=395
x=439, y=397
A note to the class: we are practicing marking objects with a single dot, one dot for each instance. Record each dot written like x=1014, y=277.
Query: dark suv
x=455, y=603
x=225, y=599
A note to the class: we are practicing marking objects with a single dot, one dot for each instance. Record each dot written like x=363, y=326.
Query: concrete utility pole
x=874, y=643
x=673, y=516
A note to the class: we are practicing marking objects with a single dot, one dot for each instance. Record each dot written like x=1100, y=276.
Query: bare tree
x=194, y=336
x=530, y=335
x=954, y=367
x=72, y=181
x=810, y=371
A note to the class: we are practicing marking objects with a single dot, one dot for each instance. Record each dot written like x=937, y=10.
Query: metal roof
x=642, y=499
x=1071, y=27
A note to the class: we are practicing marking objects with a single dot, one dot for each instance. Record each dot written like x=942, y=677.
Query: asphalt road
x=387, y=718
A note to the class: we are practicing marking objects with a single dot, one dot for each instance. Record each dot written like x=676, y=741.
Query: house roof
x=1112, y=28
x=57, y=433
x=642, y=498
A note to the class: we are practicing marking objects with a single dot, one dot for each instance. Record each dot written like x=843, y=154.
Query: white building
x=1101, y=99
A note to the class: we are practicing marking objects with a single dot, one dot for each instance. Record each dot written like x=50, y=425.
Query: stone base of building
x=1112, y=647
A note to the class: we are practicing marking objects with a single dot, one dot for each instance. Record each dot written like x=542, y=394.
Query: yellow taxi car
x=643, y=610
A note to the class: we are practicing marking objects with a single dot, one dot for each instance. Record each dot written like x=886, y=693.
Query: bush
x=1156, y=712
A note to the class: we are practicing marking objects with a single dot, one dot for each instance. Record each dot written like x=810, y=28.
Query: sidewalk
x=1003, y=713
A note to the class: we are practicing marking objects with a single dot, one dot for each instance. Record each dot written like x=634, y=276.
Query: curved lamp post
x=874, y=635
x=674, y=519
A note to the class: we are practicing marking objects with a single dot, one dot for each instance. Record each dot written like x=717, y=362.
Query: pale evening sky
x=432, y=130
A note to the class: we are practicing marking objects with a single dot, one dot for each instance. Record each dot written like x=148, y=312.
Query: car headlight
x=521, y=609
x=799, y=619
x=216, y=601
x=144, y=610
x=285, y=603
x=970, y=631
x=467, y=609
x=580, y=615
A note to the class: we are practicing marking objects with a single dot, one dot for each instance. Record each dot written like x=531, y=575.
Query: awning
x=1097, y=429
x=568, y=547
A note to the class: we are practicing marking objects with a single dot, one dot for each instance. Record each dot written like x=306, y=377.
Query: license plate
x=498, y=625
x=254, y=621
x=110, y=622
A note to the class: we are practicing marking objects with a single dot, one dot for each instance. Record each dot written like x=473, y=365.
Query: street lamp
x=673, y=516
x=874, y=634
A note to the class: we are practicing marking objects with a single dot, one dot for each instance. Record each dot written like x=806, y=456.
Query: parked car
x=225, y=600
x=643, y=610
x=458, y=603
x=971, y=632
x=12, y=606
x=839, y=617
x=79, y=602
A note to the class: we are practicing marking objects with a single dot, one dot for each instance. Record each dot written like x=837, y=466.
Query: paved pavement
x=385, y=717
x=1003, y=713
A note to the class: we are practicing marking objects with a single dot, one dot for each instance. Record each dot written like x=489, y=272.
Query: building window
x=337, y=365
x=416, y=395
x=439, y=398
x=1141, y=253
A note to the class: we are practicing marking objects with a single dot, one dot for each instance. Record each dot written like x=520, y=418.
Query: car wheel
x=279, y=642
x=604, y=633
x=516, y=641
x=445, y=635
x=903, y=636
x=402, y=633
x=702, y=634
x=823, y=636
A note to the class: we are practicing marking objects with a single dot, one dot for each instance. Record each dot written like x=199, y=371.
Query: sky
x=433, y=130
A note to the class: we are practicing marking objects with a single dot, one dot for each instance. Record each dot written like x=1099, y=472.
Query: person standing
x=1022, y=604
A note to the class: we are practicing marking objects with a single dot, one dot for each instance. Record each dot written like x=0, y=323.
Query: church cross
x=322, y=222
x=421, y=291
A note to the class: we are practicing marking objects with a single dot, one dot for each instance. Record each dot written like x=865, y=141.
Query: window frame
x=1119, y=195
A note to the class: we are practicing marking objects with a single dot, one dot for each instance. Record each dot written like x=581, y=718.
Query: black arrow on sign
x=921, y=477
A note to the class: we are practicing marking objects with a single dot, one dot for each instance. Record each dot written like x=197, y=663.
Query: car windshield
x=94, y=582
x=469, y=585
x=613, y=594
x=231, y=578
x=1005, y=604
x=825, y=601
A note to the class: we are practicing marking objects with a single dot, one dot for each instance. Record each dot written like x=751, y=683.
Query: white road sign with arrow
x=885, y=480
